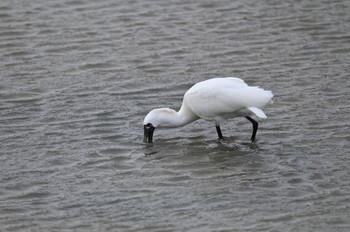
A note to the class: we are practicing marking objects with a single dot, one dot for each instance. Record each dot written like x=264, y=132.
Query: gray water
x=77, y=78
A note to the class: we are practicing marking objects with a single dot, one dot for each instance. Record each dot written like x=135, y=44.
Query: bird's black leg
x=219, y=132
x=255, y=127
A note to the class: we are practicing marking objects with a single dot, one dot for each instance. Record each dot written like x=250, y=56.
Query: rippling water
x=78, y=77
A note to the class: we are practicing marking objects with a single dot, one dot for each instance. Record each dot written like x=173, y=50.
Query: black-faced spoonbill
x=214, y=100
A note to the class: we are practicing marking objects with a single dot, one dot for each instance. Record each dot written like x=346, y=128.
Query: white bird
x=214, y=100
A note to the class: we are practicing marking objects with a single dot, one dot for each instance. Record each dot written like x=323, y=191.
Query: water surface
x=78, y=77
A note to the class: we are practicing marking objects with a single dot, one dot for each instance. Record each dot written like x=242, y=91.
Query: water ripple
x=77, y=78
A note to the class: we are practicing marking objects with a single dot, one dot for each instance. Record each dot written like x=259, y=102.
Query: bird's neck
x=177, y=119
x=185, y=115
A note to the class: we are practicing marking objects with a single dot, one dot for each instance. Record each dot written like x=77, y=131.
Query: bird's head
x=157, y=118
x=149, y=125
x=148, y=132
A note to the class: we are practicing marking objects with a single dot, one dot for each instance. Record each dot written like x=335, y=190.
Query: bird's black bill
x=148, y=133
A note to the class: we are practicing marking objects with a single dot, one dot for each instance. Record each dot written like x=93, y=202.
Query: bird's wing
x=211, y=102
x=212, y=98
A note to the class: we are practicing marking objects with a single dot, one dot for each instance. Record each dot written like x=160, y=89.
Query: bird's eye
x=148, y=125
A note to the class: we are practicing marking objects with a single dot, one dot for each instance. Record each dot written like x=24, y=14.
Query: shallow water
x=78, y=77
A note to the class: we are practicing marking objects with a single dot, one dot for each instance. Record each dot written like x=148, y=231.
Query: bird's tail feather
x=258, y=112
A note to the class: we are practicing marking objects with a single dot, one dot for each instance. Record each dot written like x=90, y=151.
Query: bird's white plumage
x=215, y=100
x=220, y=98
